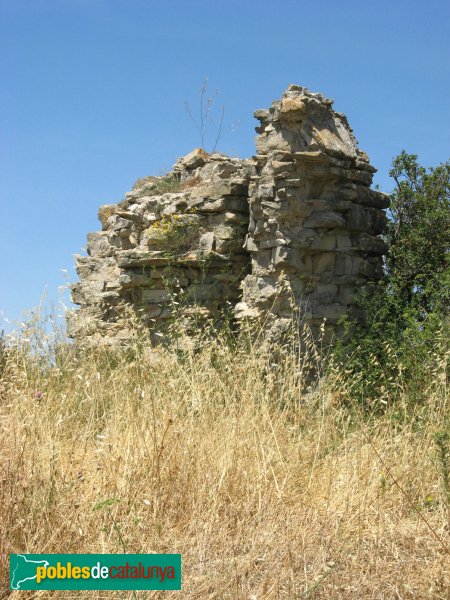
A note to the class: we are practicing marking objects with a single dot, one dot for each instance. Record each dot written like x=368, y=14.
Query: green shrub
x=403, y=320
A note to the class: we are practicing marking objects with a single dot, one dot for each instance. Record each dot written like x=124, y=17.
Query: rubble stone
x=292, y=232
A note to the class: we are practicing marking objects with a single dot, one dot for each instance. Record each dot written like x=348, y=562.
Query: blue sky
x=92, y=97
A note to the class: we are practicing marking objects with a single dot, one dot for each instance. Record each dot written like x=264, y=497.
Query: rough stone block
x=325, y=242
x=324, y=220
x=155, y=296
x=98, y=244
x=323, y=262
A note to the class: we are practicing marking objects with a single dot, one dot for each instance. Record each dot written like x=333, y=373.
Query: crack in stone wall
x=294, y=231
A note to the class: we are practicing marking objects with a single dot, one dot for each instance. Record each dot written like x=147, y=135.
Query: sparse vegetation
x=162, y=185
x=174, y=232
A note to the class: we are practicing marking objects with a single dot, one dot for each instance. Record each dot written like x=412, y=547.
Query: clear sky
x=92, y=97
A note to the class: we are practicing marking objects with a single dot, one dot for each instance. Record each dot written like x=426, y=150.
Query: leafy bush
x=405, y=316
x=419, y=235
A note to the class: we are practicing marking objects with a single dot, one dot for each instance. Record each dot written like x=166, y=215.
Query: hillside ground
x=267, y=490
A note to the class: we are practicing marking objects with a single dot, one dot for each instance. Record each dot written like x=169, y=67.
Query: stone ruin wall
x=172, y=249
x=292, y=232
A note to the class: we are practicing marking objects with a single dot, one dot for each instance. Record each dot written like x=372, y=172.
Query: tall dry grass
x=219, y=454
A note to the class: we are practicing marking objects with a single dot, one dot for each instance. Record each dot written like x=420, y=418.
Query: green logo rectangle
x=95, y=571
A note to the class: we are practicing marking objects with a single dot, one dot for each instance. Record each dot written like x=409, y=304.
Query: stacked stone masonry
x=292, y=233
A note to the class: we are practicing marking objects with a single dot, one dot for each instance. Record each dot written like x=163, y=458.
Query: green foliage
x=402, y=322
x=419, y=234
x=106, y=504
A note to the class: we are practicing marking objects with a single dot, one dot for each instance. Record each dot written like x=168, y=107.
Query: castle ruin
x=293, y=231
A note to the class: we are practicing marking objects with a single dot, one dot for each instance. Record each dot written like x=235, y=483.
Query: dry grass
x=266, y=492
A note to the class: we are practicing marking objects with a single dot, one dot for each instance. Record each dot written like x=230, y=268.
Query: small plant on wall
x=174, y=234
x=206, y=118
